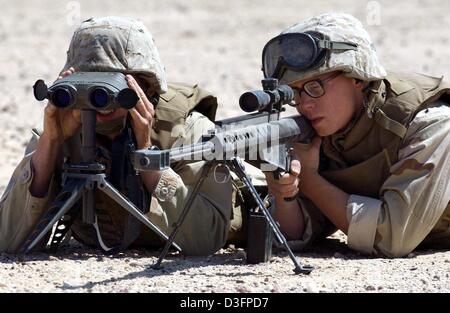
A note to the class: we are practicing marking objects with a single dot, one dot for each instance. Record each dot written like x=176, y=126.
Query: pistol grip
x=277, y=174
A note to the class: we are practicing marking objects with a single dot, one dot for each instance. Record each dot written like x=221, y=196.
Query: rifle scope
x=272, y=95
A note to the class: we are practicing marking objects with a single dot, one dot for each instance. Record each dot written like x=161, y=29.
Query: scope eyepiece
x=286, y=94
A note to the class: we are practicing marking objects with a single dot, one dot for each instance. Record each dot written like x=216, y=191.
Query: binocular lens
x=99, y=98
x=127, y=98
x=62, y=98
x=89, y=91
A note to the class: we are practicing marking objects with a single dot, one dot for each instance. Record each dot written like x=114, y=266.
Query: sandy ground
x=218, y=45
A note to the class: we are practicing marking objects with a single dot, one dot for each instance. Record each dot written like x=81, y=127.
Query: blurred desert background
x=216, y=44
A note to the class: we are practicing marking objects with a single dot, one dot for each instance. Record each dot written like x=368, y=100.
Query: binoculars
x=88, y=90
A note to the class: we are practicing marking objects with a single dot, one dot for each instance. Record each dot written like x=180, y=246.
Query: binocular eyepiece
x=88, y=90
x=272, y=95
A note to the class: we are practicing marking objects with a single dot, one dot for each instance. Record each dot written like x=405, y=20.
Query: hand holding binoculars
x=88, y=90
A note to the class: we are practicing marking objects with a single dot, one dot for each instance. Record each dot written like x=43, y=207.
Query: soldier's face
x=331, y=112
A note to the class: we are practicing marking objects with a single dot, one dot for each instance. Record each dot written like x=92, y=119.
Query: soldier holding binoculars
x=119, y=45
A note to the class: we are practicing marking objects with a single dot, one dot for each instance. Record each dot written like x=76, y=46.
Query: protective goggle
x=298, y=52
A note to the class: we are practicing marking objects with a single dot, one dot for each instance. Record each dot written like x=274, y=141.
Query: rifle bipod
x=237, y=167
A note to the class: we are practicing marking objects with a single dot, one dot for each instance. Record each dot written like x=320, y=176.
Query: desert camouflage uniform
x=399, y=185
x=393, y=159
x=125, y=45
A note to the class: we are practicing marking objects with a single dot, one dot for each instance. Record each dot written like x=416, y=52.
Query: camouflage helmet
x=362, y=63
x=116, y=44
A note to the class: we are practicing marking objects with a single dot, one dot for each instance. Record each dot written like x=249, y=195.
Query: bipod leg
x=108, y=189
x=71, y=193
x=239, y=169
x=183, y=214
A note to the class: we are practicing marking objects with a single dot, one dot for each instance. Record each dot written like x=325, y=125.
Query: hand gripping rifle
x=263, y=139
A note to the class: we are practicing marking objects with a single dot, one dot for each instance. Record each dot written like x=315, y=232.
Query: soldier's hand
x=142, y=115
x=287, y=185
x=60, y=124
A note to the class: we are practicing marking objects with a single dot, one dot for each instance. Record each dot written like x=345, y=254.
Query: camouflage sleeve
x=206, y=226
x=414, y=196
x=19, y=210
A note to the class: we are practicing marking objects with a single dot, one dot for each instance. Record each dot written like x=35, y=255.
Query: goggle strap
x=335, y=45
x=279, y=69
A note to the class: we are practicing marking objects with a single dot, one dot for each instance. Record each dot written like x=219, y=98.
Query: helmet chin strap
x=374, y=95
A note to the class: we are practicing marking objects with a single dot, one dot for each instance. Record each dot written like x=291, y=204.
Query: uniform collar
x=358, y=128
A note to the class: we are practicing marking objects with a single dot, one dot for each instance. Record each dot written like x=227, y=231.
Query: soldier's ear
x=359, y=84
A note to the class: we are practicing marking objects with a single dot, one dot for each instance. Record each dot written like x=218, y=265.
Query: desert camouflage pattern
x=361, y=64
x=399, y=187
x=414, y=207
x=116, y=44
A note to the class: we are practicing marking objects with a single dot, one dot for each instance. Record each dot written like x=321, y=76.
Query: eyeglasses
x=313, y=88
